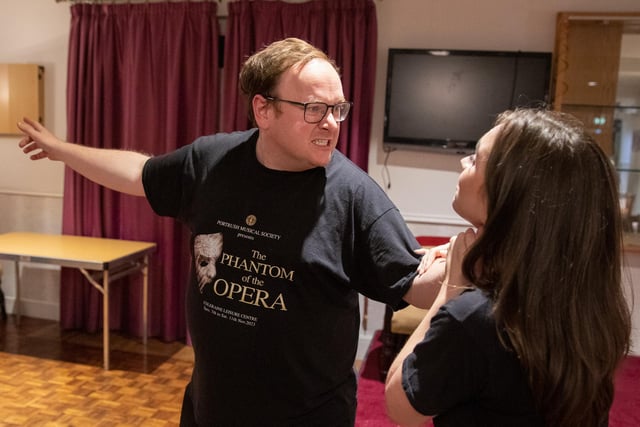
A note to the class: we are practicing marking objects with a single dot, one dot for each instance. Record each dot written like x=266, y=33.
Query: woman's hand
x=454, y=280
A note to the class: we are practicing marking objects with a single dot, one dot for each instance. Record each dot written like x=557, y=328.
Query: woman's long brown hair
x=550, y=256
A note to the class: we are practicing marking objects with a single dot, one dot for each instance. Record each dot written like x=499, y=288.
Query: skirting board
x=34, y=308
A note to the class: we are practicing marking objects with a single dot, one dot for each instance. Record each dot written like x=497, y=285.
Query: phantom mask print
x=207, y=249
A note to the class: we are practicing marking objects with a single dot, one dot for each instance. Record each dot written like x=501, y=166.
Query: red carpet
x=625, y=411
x=371, y=411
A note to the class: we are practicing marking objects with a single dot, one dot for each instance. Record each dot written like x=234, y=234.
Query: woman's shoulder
x=470, y=304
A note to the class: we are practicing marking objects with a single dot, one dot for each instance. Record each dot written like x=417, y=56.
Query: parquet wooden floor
x=50, y=377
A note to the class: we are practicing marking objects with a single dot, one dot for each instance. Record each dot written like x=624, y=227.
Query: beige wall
x=422, y=184
x=34, y=31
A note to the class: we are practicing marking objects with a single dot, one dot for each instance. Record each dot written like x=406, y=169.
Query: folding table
x=100, y=260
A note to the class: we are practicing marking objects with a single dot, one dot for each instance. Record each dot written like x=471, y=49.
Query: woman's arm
x=399, y=408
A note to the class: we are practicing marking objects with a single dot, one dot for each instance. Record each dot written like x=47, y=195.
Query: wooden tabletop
x=70, y=251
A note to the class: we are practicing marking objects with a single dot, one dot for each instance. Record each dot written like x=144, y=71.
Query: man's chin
x=323, y=161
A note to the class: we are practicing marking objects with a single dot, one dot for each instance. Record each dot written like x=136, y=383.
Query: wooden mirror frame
x=586, y=66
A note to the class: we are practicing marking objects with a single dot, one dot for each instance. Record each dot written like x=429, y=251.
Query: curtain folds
x=142, y=77
x=345, y=29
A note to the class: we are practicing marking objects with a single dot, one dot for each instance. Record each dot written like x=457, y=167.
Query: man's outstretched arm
x=118, y=170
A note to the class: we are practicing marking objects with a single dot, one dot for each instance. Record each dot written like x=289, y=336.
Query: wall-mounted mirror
x=597, y=78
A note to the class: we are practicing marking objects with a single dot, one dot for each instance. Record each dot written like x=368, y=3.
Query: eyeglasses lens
x=315, y=111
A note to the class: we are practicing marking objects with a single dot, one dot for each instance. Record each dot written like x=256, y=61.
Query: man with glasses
x=286, y=232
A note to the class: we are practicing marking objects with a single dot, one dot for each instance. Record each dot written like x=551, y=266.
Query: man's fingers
x=39, y=155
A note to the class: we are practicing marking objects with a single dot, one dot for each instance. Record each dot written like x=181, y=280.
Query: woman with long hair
x=531, y=321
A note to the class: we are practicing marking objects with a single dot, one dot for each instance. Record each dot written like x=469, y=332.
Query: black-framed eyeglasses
x=314, y=112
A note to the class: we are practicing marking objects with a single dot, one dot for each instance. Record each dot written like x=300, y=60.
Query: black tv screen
x=445, y=100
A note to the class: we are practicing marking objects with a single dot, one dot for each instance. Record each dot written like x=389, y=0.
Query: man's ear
x=261, y=111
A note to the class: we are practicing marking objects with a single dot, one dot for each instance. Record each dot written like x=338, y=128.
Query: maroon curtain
x=142, y=77
x=346, y=30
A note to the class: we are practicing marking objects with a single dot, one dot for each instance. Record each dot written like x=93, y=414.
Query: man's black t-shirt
x=278, y=261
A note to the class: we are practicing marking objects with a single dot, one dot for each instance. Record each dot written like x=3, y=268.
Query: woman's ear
x=261, y=111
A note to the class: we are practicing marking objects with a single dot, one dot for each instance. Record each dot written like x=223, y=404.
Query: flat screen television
x=445, y=100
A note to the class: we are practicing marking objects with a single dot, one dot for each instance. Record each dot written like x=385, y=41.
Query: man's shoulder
x=211, y=149
x=226, y=140
x=347, y=173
